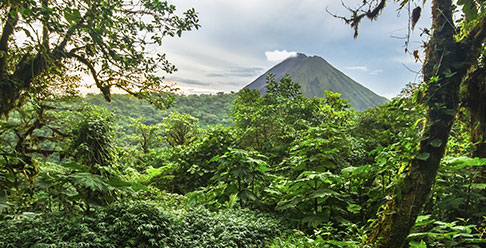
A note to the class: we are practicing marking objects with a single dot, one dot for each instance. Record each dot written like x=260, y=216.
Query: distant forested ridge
x=210, y=109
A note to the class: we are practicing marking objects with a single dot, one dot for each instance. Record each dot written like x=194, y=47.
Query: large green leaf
x=90, y=181
x=462, y=162
x=423, y=156
x=4, y=204
x=323, y=193
x=420, y=244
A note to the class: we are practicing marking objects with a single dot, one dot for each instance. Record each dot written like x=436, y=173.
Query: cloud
x=277, y=55
x=357, y=68
x=375, y=72
x=238, y=72
x=364, y=69
x=188, y=81
x=236, y=83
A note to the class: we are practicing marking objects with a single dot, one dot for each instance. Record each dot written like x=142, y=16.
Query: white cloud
x=357, y=68
x=277, y=55
x=191, y=89
x=375, y=72
x=363, y=69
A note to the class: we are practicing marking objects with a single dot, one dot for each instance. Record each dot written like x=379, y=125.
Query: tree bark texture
x=476, y=102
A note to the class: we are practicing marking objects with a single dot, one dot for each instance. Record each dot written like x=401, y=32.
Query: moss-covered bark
x=476, y=102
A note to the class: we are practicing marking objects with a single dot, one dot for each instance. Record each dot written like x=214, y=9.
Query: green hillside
x=209, y=109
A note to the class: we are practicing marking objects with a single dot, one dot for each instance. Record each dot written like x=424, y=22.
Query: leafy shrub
x=345, y=234
x=460, y=190
x=229, y=228
x=141, y=224
x=119, y=225
x=192, y=167
x=428, y=232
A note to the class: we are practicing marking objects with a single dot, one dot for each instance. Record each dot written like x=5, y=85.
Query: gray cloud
x=236, y=83
x=188, y=81
x=238, y=72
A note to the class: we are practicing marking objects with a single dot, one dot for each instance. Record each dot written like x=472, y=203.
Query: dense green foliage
x=141, y=224
x=209, y=109
x=290, y=172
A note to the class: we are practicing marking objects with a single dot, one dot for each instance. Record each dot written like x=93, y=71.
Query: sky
x=241, y=39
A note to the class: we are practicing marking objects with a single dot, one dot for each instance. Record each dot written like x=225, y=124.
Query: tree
x=145, y=135
x=268, y=123
x=92, y=146
x=46, y=46
x=241, y=172
x=192, y=166
x=475, y=101
x=93, y=140
x=180, y=129
x=449, y=56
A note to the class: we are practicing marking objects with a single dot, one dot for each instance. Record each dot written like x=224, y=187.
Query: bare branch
x=358, y=14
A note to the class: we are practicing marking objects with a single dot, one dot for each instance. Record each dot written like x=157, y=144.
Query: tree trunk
x=443, y=74
x=476, y=102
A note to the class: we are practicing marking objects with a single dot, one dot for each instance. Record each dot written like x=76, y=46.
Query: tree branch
x=31, y=68
x=73, y=28
x=45, y=29
x=74, y=50
x=105, y=89
x=45, y=153
x=358, y=14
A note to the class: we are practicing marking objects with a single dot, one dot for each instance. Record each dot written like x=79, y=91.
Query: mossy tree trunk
x=447, y=62
x=476, y=103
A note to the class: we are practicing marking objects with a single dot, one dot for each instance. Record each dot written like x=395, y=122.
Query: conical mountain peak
x=315, y=75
